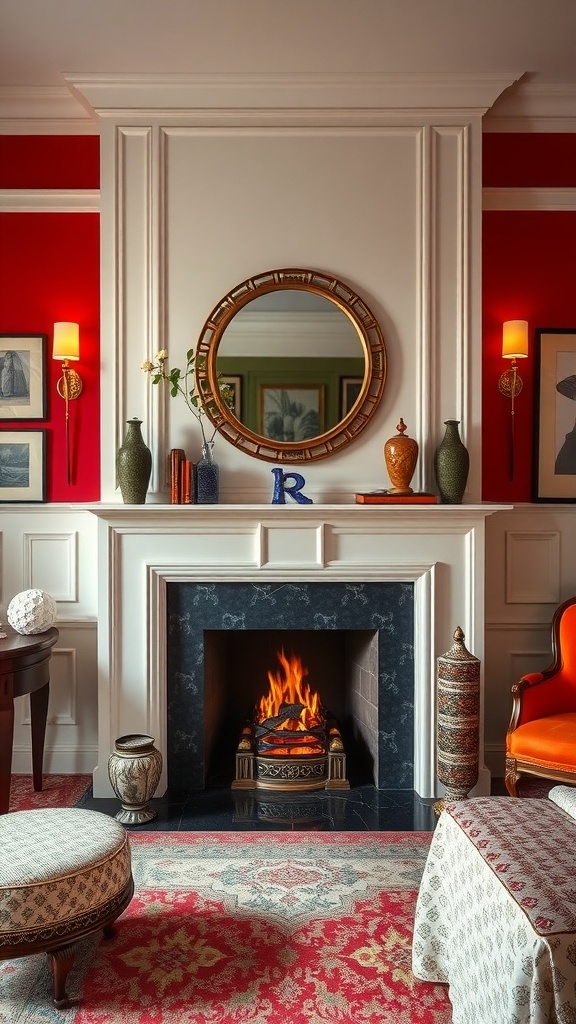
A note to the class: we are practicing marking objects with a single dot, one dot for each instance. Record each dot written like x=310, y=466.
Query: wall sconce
x=66, y=347
x=514, y=346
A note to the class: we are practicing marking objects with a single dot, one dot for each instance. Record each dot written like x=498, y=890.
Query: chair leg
x=511, y=776
x=61, y=961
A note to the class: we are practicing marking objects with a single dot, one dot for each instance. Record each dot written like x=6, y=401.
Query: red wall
x=529, y=273
x=49, y=271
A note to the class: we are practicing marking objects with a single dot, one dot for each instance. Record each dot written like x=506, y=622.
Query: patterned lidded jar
x=458, y=738
x=400, y=456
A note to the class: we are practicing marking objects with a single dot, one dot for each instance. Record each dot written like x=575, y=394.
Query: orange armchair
x=541, y=737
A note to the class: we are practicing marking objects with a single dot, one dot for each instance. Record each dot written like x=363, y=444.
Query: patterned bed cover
x=496, y=911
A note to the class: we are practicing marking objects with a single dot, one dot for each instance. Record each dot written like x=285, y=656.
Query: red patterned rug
x=57, y=791
x=250, y=928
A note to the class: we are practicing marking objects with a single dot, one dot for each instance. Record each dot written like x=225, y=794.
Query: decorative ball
x=32, y=611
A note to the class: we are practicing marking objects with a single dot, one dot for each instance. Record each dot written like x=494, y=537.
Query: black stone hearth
x=205, y=621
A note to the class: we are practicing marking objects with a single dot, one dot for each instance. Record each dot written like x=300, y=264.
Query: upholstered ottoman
x=64, y=873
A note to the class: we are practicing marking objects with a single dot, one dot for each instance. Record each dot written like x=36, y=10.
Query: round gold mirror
x=305, y=361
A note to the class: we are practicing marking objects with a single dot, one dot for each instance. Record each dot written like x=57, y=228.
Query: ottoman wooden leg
x=61, y=961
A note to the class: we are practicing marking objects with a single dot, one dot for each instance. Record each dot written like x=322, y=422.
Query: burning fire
x=288, y=687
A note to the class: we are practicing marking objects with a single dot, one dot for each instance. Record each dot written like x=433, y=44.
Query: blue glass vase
x=207, y=476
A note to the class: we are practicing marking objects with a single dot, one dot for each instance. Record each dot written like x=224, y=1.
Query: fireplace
x=356, y=639
x=151, y=650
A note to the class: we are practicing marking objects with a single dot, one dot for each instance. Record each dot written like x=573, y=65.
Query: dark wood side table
x=24, y=668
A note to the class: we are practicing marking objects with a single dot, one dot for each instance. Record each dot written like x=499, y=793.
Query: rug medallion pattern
x=237, y=928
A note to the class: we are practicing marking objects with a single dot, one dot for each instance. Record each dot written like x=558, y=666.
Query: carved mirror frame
x=374, y=350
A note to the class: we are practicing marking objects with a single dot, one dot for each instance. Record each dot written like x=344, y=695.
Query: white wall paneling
x=63, y=689
x=209, y=179
x=533, y=567
x=51, y=564
x=511, y=652
x=71, y=731
x=53, y=547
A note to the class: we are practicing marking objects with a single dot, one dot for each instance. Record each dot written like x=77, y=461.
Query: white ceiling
x=40, y=39
x=43, y=40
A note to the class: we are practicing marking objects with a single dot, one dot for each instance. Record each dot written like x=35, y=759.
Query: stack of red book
x=181, y=478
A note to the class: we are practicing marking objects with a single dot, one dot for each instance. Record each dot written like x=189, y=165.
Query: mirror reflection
x=305, y=361
x=295, y=362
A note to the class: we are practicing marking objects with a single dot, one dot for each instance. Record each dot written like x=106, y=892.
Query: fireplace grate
x=257, y=768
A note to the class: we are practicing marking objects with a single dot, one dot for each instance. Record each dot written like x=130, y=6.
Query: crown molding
x=534, y=107
x=54, y=200
x=140, y=93
x=508, y=105
x=44, y=111
x=529, y=199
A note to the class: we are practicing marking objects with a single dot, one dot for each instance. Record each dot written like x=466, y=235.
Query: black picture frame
x=23, y=392
x=22, y=466
x=555, y=415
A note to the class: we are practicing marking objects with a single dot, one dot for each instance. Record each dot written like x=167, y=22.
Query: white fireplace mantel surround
x=440, y=549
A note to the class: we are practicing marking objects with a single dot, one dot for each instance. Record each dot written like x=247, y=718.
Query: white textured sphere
x=32, y=611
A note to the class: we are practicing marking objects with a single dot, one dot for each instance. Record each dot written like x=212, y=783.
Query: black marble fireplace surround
x=221, y=637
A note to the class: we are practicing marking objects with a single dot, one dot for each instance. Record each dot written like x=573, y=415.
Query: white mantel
x=143, y=548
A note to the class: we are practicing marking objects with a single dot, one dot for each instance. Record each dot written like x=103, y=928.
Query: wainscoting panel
x=511, y=652
x=53, y=547
x=71, y=730
x=533, y=567
x=51, y=564
x=530, y=570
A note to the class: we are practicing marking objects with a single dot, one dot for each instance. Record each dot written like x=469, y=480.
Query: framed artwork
x=291, y=413
x=234, y=381
x=23, y=376
x=22, y=465
x=555, y=415
x=350, y=388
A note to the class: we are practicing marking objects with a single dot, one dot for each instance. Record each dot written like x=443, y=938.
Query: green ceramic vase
x=451, y=465
x=133, y=465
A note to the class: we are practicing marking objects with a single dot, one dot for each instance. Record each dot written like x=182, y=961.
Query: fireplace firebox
x=356, y=641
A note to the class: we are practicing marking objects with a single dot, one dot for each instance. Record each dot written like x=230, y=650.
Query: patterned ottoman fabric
x=57, y=867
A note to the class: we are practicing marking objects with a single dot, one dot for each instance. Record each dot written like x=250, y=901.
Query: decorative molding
x=532, y=567
x=508, y=103
x=173, y=94
x=533, y=107
x=55, y=200
x=63, y=667
x=43, y=110
x=56, y=553
x=516, y=626
x=529, y=199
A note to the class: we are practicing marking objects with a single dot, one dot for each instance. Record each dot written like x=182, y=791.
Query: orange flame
x=289, y=687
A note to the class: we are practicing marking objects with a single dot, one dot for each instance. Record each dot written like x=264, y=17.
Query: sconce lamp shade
x=515, y=339
x=66, y=341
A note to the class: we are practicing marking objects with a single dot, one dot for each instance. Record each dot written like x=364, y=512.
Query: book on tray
x=387, y=498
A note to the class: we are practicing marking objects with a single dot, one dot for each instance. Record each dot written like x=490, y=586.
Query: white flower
x=183, y=383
